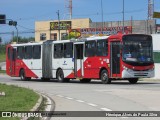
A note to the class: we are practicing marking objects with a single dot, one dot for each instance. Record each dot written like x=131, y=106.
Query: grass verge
x=2, y=57
x=16, y=99
x=40, y=109
x=2, y=71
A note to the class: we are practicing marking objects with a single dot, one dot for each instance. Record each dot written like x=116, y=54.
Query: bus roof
x=97, y=37
x=26, y=44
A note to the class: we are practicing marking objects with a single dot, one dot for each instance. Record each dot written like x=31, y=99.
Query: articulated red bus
x=107, y=58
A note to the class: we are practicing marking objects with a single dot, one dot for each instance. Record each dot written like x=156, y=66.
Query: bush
x=156, y=57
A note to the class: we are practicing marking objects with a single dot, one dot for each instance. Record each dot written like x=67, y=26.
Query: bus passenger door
x=115, y=59
x=12, y=57
x=78, y=60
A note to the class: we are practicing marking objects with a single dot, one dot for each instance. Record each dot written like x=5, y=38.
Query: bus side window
x=102, y=48
x=90, y=48
x=58, y=50
x=36, y=52
x=28, y=52
x=20, y=52
x=68, y=50
x=14, y=54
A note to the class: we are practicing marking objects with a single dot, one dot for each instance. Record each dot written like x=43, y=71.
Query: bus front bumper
x=128, y=73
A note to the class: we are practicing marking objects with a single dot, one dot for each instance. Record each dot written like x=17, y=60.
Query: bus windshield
x=137, y=48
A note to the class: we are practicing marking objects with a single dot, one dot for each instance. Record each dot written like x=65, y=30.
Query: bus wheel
x=23, y=77
x=60, y=76
x=133, y=80
x=104, y=77
x=85, y=80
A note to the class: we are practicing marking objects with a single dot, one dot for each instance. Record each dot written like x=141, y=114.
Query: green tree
x=23, y=39
x=71, y=37
x=2, y=48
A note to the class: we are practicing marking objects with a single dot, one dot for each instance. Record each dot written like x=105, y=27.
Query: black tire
x=104, y=77
x=133, y=80
x=66, y=80
x=28, y=78
x=60, y=76
x=85, y=80
x=23, y=76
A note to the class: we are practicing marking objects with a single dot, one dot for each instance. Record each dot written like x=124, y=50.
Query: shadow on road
x=124, y=82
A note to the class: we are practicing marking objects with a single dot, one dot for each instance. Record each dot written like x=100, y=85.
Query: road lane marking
x=106, y=109
x=91, y=104
x=81, y=101
x=69, y=98
x=60, y=95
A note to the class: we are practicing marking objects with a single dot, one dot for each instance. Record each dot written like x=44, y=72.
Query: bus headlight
x=125, y=68
x=151, y=69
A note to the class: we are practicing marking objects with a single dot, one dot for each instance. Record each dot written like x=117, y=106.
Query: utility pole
x=102, y=14
x=123, y=18
x=17, y=33
x=69, y=7
x=58, y=24
x=14, y=23
x=150, y=9
x=12, y=36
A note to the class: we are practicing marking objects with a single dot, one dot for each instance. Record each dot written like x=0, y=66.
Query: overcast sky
x=26, y=12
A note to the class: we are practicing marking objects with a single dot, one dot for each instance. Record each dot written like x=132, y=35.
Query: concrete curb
x=150, y=80
x=38, y=104
x=50, y=105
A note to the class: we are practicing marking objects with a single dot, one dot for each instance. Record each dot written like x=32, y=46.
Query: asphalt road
x=95, y=96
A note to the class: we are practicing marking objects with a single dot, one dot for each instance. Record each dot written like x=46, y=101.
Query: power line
x=25, y=27
x=34, y=17
x=112, y=13
x=20, y=32
x=24, y=32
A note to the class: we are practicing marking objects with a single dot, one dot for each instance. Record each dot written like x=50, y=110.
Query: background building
x=138, y=26
x=59, y=30
x=55, y=30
